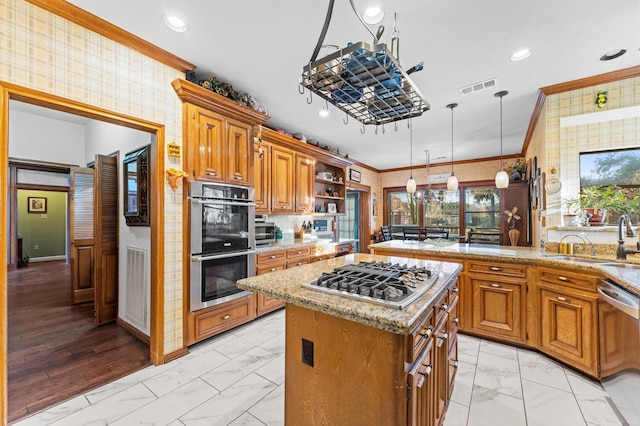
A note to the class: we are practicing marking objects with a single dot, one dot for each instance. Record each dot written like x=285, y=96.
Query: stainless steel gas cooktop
x=388, y=284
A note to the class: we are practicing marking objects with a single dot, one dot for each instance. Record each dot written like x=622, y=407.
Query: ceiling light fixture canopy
x=364, y=80
x=411, y=183
x=502, y=178
x=452, y=182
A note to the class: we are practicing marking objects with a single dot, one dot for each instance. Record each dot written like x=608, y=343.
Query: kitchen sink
x=622, y=265
x=573, y=258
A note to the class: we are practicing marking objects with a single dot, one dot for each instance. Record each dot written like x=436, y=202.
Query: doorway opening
x=154, y=351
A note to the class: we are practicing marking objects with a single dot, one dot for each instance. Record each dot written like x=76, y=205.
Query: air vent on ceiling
x=476, y=87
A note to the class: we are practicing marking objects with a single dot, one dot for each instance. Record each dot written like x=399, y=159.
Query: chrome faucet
x=586, y=239
x=622, y=252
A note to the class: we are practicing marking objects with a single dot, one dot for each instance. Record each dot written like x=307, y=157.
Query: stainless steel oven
x=619, y=323
x=213, y=278
x=222, y=242
x=222, y=218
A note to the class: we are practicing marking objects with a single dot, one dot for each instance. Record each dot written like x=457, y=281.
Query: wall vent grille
x=136, y=303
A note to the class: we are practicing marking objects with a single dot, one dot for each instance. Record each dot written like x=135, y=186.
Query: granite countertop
x=282, y=245
x=624, y=273
x=286, y=285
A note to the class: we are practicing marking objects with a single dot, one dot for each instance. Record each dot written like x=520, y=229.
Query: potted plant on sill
x=597, y=201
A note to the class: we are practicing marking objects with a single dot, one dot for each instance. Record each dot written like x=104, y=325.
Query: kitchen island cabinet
x=354, y=362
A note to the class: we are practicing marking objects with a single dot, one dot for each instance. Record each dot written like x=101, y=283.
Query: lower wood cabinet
x=551, y=309
x=357, y=372
x=569, y=331
x=498, y=301
x=274, y=261
x=211, y=321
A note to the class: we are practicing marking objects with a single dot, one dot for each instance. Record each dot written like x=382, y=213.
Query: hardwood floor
x=55, y=351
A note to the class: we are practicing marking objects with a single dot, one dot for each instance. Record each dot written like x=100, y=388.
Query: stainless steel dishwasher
x=619, y=319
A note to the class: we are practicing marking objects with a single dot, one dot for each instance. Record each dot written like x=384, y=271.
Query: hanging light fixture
x=452, y=182
x=411, y=183
x=502, y=179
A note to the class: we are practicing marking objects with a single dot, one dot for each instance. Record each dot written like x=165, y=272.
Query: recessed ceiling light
x=175, y=23
x=613, y=54
x=324, y=112
x=373, y=15
x=521, y=54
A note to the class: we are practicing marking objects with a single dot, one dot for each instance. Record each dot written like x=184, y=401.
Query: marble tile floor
x=237, y=378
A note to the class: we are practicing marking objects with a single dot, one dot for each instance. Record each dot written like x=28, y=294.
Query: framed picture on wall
x=354, y=175
x=331, y=208
x=36, y=204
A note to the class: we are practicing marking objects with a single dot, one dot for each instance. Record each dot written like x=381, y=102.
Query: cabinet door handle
x=272, y=257
x=495, y=268
x=427, y=370
x=443, y=338
x=455, y=289
x=226, y=317
x=454, y=363
x=444, y=307
x=212, y=174
x=563, y=299
x=427, y=332
x=494, y=285
x=456, y=320
x=565, y=279
x=273, y=269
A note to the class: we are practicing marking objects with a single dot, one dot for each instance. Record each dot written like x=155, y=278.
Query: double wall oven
x=222, y=242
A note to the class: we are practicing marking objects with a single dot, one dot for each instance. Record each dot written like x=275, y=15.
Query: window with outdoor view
x=403, y=209
x=610, y=181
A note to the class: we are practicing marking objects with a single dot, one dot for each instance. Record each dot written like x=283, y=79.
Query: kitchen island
x=349, y=361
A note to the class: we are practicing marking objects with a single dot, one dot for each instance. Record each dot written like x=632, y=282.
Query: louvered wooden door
x=82, y=235
x=106, y=246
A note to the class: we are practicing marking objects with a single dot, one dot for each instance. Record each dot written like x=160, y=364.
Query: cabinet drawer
x=419, y=337
x=343, y=249
x=263, y=269
x=502, y=269
x=297, y=262
x=299, y=252
x=271, y=256
x=209, y=322
x=566, y=278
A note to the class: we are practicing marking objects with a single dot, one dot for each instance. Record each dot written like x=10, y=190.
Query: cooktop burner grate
x=389, y=284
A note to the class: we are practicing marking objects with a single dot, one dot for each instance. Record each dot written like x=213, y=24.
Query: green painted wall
x=47, y=230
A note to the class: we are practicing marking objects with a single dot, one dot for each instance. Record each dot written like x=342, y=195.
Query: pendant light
x=452, y=182
x=411, y=183
x=502, y=179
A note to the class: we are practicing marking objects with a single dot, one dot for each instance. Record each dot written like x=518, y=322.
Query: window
x=482, y=209
x=402, y=209
x=620, y=168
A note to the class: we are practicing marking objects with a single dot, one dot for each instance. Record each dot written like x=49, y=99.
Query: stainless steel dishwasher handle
x=621, y=301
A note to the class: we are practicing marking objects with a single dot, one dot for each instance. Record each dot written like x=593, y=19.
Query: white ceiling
x=260, y=47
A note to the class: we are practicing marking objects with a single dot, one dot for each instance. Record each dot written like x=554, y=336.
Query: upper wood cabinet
x=305, y=172
x=262, y=177
x=282, y=169
x=217, y=135
x=292, y=183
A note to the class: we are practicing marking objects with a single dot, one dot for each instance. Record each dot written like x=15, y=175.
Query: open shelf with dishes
x=329, y=189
